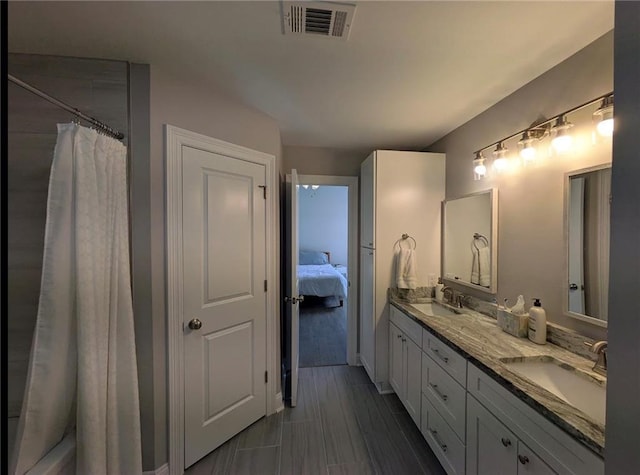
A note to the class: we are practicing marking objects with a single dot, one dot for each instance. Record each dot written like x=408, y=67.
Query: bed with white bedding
x=318, y=278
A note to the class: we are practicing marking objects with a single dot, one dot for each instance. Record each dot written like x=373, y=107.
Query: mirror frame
x=493, y=198
x=565, y=233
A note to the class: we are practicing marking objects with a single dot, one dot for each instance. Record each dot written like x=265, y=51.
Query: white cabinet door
x=367, y=202
x=367, y=308
x=396, y=356
x=412, y=378
x=530, y=464
x=491, y=447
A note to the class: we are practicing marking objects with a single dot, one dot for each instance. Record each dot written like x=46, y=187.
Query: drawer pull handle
x=443, y=358
x=434, y=433
x=505, y=442
x=404, y=339
x=444, y=397
x=523, y=459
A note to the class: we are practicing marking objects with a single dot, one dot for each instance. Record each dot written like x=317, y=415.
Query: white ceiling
x=409, y=73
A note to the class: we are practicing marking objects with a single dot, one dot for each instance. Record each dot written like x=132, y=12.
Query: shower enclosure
x=99, y=88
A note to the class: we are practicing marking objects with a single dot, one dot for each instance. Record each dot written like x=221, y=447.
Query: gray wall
x=184, y=103
x=623, y=386
x=530, y=241
x=323, y=161
x=96, y=87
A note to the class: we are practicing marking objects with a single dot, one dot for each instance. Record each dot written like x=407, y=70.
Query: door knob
x=195, y=324
x=294, y=300
x=573, y=286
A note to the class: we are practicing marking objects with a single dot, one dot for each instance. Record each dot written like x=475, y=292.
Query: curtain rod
x=95, y=122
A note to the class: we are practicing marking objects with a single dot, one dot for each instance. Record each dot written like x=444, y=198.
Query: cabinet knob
x=399, y=336
x=505, y=442
x=523, y=459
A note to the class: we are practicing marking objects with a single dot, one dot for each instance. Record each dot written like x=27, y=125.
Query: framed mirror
x=469, y=240
x=586, y=232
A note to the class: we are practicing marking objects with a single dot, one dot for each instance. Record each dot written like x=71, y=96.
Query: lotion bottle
x=537, y=323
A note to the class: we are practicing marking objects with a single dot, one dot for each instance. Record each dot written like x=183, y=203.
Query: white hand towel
x=483, y=265
x=406, y=269
x=475, y=267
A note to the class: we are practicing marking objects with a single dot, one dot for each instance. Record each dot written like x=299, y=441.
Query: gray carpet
x=323, y=334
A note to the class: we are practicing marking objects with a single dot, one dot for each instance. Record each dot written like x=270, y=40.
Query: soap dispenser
x=537, y=323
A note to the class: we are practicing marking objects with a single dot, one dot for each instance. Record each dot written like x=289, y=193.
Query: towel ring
x=404, y=238
x=479, y=237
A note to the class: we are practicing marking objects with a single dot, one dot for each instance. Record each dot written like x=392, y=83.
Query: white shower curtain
x=82, y=371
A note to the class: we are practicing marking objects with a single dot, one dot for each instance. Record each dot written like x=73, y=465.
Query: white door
x=292, y=298
x=224, y=308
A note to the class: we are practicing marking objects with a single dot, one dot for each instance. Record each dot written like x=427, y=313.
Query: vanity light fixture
x=604, y=115
x=315, y=187
x=500, y=162
x=562, y=140
x=479, y=168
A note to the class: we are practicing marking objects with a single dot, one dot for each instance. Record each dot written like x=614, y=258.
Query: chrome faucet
x=460, y=300
x=600, y=349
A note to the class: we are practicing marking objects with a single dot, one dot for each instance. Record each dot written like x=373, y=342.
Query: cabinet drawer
x=410, y=328
x=561, y=452
x=445, y=394
x=452, y=362
x=442, y=440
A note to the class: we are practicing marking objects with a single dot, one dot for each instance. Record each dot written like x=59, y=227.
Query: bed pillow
x=309, y=258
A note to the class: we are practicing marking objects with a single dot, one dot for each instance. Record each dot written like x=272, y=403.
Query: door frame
x=175, y=139
x=351, y=182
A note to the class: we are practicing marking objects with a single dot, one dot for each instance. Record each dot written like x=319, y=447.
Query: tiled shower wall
x=97, y=88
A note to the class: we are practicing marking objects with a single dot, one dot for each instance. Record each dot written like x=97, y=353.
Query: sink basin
x=572, y=385
x=433, y=310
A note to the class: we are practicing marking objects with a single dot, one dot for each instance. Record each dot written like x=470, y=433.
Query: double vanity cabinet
x=469, y=418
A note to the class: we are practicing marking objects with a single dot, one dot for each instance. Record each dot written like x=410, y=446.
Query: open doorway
x=327, y=235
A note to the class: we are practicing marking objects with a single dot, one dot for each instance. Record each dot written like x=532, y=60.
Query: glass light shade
x=527, y=148
x=305, y=186
x=604, y=116
x=563, y=141
x=605, y=127
x=500, y=162
x=315, y=187
x=479, y=168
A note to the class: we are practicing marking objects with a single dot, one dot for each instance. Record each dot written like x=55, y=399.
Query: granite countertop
x=478, y=338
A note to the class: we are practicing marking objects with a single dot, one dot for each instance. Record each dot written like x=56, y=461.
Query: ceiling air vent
x=329, y=19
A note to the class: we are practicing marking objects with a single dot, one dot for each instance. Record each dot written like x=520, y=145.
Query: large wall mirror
x=469, y=240
x=587, y=223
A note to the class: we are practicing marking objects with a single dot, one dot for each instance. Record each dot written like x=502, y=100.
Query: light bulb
x=500, y=162
x=479, y=168
x=527, y=148
x=315, y=187
x=604, y=114
x=305, y=186
x=605, y=127
x=562, y=142
x=528, y=154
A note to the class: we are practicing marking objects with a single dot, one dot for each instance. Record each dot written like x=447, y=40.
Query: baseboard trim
x=162, y=470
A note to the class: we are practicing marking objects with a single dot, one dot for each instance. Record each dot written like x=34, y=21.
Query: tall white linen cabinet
x=400, y=192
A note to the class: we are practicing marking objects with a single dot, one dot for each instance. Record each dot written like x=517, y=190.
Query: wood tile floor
x=340, y=426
